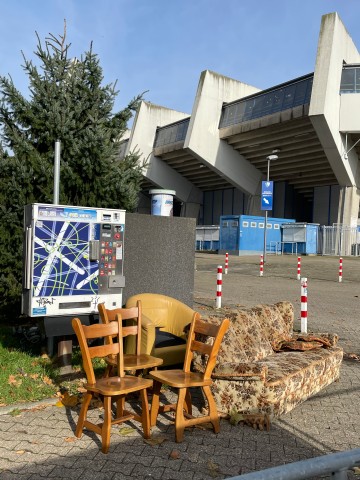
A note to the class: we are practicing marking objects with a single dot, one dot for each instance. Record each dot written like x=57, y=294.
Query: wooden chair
x=184, y=379
x=132, y=361
x=111, y=388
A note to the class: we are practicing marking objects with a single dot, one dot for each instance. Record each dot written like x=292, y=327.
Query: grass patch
x=28, y=376
x=24, y=375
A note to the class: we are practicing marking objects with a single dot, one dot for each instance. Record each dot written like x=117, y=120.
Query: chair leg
x=155, y=403
x=214, y=416
x=106, y=427
x=82, y=415
x=188, y=403
x=120, y=405
x=179, y=416
x=145, y=415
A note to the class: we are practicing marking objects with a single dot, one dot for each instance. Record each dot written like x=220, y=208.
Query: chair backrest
x=133, y=313
x=199, y=333
x=162, y=310
x=100, y=331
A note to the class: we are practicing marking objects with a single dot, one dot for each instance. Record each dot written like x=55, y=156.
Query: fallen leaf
x=236, y=417
x=34, y=376
x=213, y=468
x=70, y=439
x=174, y=454
x=126, y=431
x=59, y=404
x=155, y=440
x=47, y=380
x=12, y=380
x=20, y=452
x=70, y=400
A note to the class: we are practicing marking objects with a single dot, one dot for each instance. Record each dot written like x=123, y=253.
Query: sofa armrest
x=240, y=371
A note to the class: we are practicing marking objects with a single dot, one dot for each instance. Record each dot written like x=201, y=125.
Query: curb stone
x=28, y=406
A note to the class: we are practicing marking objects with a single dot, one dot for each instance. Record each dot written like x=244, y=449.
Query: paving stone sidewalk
x=40, y=443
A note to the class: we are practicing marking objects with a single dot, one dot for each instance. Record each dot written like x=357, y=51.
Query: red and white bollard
x=299, y=268
x=261, y=265
x=340, y=269
x=304, y=305
x=218, y=286
x=226, y=263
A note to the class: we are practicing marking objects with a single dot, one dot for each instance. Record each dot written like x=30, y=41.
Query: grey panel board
x=159, y=256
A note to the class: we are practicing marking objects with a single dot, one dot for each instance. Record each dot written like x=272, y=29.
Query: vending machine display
x=73, y=259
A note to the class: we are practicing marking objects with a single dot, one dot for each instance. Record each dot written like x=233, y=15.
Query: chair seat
x=118, y=385
x=179, y=378
x=136, y=362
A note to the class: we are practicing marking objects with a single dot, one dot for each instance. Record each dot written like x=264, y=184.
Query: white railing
x=335, y=464
x=339, y=240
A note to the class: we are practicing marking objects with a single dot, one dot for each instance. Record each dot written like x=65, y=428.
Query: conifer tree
x=68, y=102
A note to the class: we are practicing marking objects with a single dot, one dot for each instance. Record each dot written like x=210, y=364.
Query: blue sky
x=163, y=45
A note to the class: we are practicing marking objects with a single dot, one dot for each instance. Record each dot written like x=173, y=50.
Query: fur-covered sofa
x=264, y=367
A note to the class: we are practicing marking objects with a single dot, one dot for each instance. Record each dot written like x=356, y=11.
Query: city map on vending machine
x=73, y=259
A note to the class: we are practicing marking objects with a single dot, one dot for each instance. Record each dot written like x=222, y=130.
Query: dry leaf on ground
x=13, y=381
x=47, y=380
x=155, y=440
x=70, y=400
x=126, y=431
x=213, y=468
x=70, y=439
x=174, y=454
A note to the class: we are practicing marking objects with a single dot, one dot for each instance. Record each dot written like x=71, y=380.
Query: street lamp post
x=269, y=159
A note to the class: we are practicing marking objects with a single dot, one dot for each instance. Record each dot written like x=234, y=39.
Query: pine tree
x=67, y=102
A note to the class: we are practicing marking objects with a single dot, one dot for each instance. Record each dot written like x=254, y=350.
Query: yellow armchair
x=163, y=321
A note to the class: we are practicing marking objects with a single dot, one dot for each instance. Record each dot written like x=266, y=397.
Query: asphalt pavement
x=40, y=443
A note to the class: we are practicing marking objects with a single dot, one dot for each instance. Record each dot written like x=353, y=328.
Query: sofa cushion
x=276, y=322
x=250, y=338
x=243, y=342
x=166, y=339
x=288, y=364
x=291, y=378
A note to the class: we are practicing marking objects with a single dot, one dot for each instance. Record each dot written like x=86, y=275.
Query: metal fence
x=335, y=465
x=339, y=240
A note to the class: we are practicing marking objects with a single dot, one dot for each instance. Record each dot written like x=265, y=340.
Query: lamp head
x=272, y=157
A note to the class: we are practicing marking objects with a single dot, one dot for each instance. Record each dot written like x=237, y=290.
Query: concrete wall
x=334, y=48
x=349, y=103
x=230, y=201
x=202, y=137
x=326, y=203
x=148, y=118
x=159, y=256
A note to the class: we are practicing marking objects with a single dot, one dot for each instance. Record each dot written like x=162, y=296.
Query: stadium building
x=216, y=157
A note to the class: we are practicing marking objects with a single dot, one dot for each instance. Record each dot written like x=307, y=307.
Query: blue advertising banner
x=267, y=195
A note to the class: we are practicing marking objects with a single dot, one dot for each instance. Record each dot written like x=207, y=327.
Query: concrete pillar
x=349, y=206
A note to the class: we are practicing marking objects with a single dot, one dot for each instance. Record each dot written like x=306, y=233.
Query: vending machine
x=73, y=259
